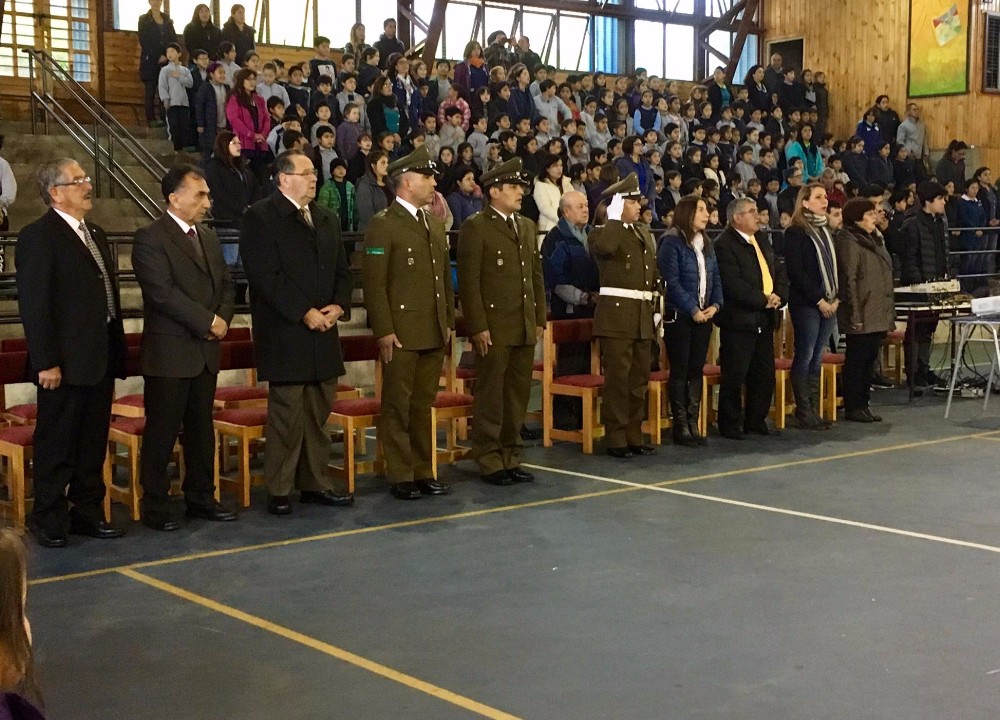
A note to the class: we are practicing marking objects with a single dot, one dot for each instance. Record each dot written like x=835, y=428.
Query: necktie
x=193, y=234
x=109, y=292
x=513, y=226
x=422, y=219
x=306, y=215
x=765, y=274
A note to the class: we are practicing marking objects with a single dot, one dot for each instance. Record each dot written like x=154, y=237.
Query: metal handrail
x=103, y=154
x=94, y=106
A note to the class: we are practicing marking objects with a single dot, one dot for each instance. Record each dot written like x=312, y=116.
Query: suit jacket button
x=402, y=307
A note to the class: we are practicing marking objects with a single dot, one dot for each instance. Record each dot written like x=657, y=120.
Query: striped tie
x=109, y=291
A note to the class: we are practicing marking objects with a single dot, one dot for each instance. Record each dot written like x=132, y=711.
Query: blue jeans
x=812, y=337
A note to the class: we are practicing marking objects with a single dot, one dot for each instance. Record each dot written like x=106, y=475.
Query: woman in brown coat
x=867, y=310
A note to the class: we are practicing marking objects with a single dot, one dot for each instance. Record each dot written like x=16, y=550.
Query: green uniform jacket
x=500, y=278
x=407, y=279
x=624, y=261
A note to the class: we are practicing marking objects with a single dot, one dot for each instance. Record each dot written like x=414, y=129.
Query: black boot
x=815, y=382
x=694, y=411
x=678, y=410
x=803, y=410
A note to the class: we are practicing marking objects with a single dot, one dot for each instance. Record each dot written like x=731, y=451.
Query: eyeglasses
x=235, y=141
x=75, y=181
x=307, y=173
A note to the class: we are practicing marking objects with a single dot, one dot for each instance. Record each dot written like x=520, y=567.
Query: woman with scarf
x=867, y=306
x=811, y=264
x=405, y=90
x=384, y=112
x=472, y=72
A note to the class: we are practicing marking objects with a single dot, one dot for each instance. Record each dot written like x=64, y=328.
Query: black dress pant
x=747, y=360
x=172, y=404
x=71, y=440
x=152, y=98
x=686, y=342
x=859, y=363
x=179, y=126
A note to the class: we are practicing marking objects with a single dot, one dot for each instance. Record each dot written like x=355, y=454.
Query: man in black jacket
x=923, y=257
x=300, y=286
x=187, y=301
x=387, y=44
x=754, y=289
x=69, y=304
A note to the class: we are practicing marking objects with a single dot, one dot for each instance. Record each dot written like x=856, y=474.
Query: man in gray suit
x=187, y=297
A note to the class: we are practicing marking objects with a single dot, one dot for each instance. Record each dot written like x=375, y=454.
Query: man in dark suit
x=411, y=309
x=71, y=312
x=754, y=289
x=187, y=299
x=300, y=286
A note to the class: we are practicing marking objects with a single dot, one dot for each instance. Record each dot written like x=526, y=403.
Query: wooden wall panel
x=862, y=47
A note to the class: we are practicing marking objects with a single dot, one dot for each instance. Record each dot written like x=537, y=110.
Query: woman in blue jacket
x=868, y=130
x=690, y=272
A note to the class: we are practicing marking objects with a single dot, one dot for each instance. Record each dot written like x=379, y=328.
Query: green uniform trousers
x=623, y=399
x=503, y=385
x=298, y=446
x=409, y=386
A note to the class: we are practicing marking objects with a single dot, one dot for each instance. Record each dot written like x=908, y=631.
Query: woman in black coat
x=233, y=186
x=760, y=96
x=156, y=31
x=202, y=34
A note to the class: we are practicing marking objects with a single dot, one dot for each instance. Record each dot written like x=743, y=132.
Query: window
x=457, y=29
x=681, y=6
x=574, y=43
x=373, y=14
x=649, y=47
x=991, y=61
x=293, y=25
x=606, y=42
x=497, y=18
x=181, y=12
x=679, y=63
x=535, y=27
x=64, y=32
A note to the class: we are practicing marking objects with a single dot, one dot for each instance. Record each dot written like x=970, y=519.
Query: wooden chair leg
x=107, y=486
x=15, y=484
x=434, y=455
x=547, y=418
x=588, y=424
x=215, y=466
x=133, y=479
x=350, y=437
x=243, y=443
x=703, y=414
x=653, y=413
x=779, y=401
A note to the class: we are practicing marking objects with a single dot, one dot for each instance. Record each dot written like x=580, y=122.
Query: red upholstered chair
x=893, y=344
x=449, y=406
x=657, y=419
x=239, y=355
x=355, y=415
x=831, y=369
x=13, y=371
x=14, y=345
x=134, y=405
x=127, y=432
x=244, y=427
x=586, y=387
x=16, y=445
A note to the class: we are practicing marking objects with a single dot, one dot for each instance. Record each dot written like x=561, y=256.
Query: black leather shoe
x=326, y=497
x=161, y=522
x=622, y=453
x=279, y=505
x=860, y=416
x=46, y=538
x=99, y=529
x=215, y=512
x=731, y=434
x=762, y=430
x=642, y=449
x=405, y=491
x=500, y=477
x=873, y=416
x=430, y=486
x=529, y=434
x=520, y=475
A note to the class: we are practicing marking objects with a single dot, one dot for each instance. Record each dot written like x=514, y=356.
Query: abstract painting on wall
x=939, y=47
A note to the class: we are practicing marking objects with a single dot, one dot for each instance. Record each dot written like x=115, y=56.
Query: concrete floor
x=847, y=574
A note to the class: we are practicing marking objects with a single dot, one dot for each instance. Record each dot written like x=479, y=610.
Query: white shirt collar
x=743, y=235
x=71, y=221
x=297, y=206
x=505, y=217
x=408, y=206
x=183, y=225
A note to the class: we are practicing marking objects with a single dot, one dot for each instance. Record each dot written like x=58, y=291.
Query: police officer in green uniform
x=503, y=301
x=626, y=261
x=411, y=310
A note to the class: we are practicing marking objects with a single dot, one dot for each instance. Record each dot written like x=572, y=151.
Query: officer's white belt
x=627, y=293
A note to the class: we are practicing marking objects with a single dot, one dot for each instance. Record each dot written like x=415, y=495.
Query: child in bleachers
x=337, y=194
x=173, y=84
x=322, y=65
x=227, y=56
x=452, y=134
x=298, y=92
x=349, y=131
x=478, y=140
x=325, y=151
x=323, y=94
x=601, y=135
x=322, y=118
x=268, y=86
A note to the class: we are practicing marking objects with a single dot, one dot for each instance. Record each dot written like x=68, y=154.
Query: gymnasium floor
x=848, y=574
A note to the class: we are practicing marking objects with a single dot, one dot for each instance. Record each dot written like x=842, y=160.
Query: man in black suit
x=187, y=298
x=300, y=286
x=754, y=289
x=71, y=312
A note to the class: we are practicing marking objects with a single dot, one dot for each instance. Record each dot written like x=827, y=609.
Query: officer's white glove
x=616, y=207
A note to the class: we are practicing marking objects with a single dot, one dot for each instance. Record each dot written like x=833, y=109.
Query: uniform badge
x=409, y=261
x=499, y=261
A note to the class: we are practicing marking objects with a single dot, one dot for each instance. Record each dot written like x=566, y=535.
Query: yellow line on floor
x=327, y=536
x=319, y=646
x=773, y=466
x=996, y=439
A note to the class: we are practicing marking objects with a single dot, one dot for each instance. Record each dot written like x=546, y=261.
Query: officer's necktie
x=109, y=292
x=513, y=226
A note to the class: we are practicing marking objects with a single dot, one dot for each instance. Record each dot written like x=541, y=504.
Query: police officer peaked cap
x=510, y=172
x=627, y=188
x=418, y=161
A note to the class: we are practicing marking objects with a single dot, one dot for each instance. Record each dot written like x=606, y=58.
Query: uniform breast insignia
x=499, y=261
x=409, y=261
x=374, y=251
